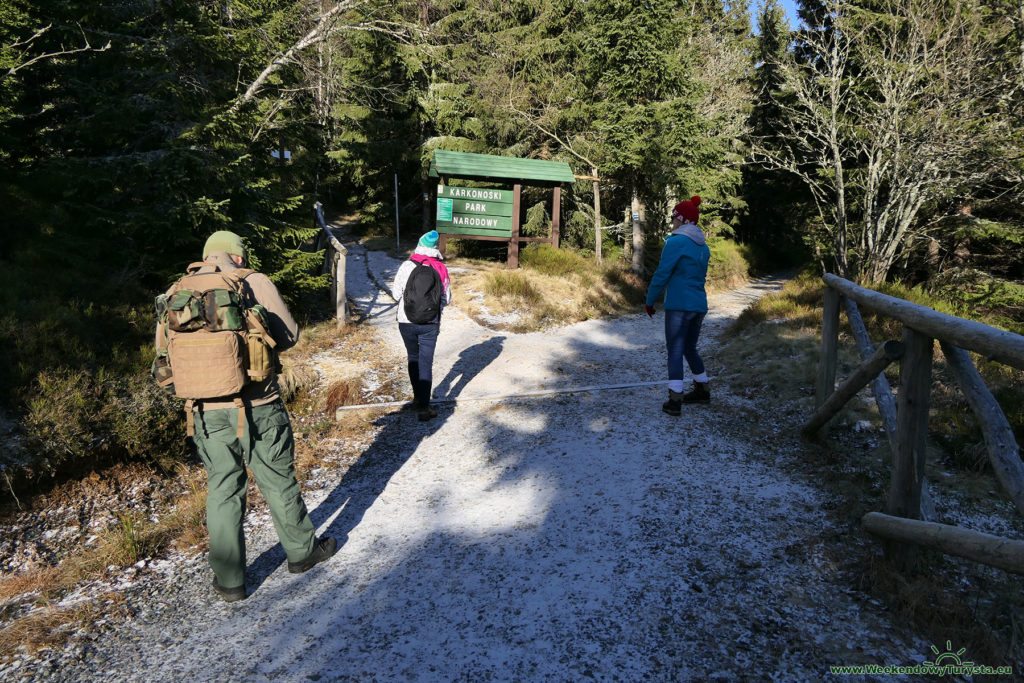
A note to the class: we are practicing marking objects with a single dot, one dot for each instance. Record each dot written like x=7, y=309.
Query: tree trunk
x=597, y=215
x=636, y=211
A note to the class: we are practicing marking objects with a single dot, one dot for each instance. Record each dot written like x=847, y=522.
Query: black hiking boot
x=699, y=394
x=322, y=549
x=674, y=404
x=229, y=594
x=425, y=414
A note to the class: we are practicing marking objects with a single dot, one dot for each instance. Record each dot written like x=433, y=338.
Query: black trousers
x=420, y=341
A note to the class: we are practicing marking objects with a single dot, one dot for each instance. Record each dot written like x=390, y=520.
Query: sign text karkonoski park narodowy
x=474, y=211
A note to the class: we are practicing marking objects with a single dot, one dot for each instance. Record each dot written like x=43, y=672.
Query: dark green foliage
x=777, y=205
x=117, y=164
x=79, y=419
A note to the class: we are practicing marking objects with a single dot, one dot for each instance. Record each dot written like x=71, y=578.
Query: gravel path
x=584, y=535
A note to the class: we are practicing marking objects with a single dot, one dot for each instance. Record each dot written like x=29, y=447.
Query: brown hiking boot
x=699, y=394
x=674, y=404
x=425, y=414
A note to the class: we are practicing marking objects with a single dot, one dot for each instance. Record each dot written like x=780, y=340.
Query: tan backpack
x=214, y=342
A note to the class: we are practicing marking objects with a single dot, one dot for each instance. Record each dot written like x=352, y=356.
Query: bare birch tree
x=884, y=118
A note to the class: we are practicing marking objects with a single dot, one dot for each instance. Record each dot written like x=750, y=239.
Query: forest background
x=881, y=140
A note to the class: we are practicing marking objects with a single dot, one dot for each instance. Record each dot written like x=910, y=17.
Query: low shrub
x=511, y=284
x=729, y=266
x=79, y=418
x=559, y=262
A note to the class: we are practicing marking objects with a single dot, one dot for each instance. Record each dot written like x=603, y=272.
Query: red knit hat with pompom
x=688, y=211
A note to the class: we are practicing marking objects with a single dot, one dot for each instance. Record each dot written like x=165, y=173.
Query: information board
x=483, y=211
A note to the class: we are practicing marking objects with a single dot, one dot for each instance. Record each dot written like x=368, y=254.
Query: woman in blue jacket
x=680, y=275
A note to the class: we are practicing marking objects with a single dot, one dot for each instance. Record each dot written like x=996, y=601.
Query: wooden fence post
x=340, y=296
x=912, y=437
x=829, y=347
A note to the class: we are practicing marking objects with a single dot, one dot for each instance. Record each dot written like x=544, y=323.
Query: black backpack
x=422, y=297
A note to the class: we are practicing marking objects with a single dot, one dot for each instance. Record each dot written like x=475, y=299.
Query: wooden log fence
x=334, y=264
x=906, y=418
x=887, y=353
x=994, y=551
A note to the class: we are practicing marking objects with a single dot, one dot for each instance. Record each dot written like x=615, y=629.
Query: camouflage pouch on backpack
x=185, y=311
x=160, y=370
x=222, y=309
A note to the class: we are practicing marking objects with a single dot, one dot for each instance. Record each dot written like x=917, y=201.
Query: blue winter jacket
x=682, y=271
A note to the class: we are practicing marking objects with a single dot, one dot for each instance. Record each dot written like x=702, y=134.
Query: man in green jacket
x=261, y=439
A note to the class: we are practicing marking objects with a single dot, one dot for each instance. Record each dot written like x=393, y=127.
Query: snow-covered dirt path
x=583, y=535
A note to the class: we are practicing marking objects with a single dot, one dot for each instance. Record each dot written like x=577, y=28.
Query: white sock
x=702, y=378
x=675, y=385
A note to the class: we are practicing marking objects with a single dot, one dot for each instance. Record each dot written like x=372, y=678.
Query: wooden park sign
x=486, y=212
x=492, y=213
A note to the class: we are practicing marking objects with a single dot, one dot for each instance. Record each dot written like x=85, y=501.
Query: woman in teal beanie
x=420, y=338
x=681, y=274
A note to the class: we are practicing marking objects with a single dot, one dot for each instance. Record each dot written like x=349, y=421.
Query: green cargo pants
x=269, y=450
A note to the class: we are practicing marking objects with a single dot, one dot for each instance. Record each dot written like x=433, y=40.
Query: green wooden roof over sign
x=466, y=165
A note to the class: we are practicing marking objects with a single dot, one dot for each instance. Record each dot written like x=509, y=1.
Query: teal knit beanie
x=429, y=239
x=224, y=240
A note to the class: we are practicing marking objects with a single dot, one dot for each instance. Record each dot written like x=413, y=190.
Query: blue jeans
x=682, y=328
x=420, y=341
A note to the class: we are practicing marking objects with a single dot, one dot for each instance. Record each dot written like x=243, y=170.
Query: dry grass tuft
x=511, y=284
x=54, y=626
x=344, y=392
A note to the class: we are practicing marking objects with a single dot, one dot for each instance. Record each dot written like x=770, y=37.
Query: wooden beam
x=995, y=551
x=995, y=344
x=880, y=386
x=513, y=244
x=587, y=177
x=826, y=383
x=556, y=215
x=486, y=238
x=1003, y=451
x=865, y=372
x=883, y=397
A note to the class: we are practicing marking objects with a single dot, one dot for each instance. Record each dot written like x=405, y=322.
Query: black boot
x=699, y=394
x=674, y=404
x=423, y=410
x=323, y=549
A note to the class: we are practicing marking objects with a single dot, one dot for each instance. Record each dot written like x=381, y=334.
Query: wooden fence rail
x=906, y=418
x=334, y=264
